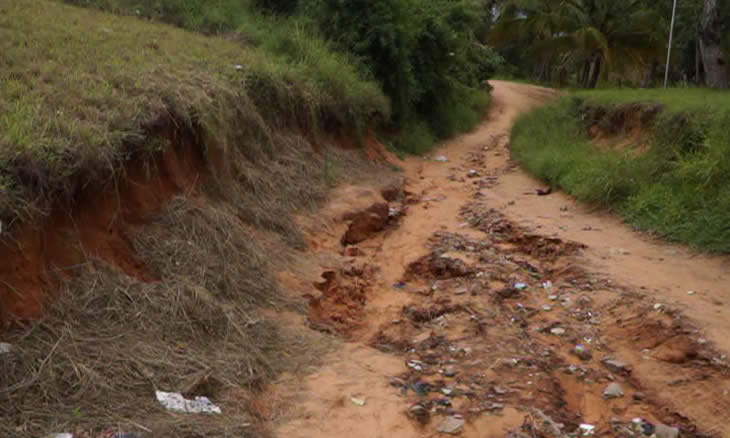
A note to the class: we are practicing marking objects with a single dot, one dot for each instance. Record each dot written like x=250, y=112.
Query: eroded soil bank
x=478, y=307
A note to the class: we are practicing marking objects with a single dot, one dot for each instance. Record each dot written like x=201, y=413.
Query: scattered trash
x=5, y=348
x=520, y=286
x=357, y=401
x=175, y=402
x=451, y=425
x=447, y=391
x=691, y=292
x=557, y=331
x=441, y=159
x=415, y=364
x=583, y=352
x=614, y=390
x=587, y=429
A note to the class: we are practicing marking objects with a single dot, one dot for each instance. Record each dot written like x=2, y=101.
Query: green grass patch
x=81, y=92
x=678, y=188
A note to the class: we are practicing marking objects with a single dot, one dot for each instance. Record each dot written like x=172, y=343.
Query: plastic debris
x=547, y=308
x=59, y=435
x=441, y=159
x=357, y=401
x=658, y=306
x=451, y=425
x=557, y=331
x=691, y=292
x=520, y=286
x=587, y=429
x=415, y=364
x=175, y=402
x=5, y=348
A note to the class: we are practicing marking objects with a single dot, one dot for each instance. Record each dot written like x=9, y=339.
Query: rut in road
x=489, y=311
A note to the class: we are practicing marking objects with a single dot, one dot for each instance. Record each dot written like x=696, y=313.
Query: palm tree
x=597, y=35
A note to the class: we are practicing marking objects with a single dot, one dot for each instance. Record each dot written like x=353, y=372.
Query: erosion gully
x=487, y=310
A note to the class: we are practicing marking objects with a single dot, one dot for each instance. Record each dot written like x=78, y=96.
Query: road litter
x=520, y=286
x=5, y=348
x=587, y=429
x=175, y=402
x=357, y=401
x=441, y=159
x=691, y=292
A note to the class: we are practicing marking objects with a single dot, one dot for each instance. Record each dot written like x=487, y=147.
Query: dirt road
x=486, y=310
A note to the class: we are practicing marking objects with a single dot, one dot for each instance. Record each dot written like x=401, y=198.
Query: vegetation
x=678, y=187
x=80, y=91
x=426, y=55
x=620, y=41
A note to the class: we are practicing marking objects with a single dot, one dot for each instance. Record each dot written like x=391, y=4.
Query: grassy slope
x=79, y=89
x=679, y=188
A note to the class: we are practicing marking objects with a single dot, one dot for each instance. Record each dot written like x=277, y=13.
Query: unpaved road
x=471, y=307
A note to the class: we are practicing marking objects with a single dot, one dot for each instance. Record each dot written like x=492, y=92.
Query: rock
x=616, y=366
x=614, y=390
x=397, y=382
x=357, y=401
x=451, y=425
x=441, y=159
x=423, y=337
x=419, y=413
x=557, y=331
x=663, y=431
x=354, y=251
x=5, y=348
x=638, y=396
x=392, y=192
x=583, y=352
x=366, y=223
x=450, y=371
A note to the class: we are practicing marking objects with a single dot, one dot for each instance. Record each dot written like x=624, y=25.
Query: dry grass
x=110, y=341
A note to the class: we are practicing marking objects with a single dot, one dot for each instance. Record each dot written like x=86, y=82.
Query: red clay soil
x=41, y=254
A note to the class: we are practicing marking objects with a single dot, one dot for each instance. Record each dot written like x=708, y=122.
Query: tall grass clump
x=678, y=186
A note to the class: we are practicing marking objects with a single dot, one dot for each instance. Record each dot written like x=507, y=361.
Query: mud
x=486, y=304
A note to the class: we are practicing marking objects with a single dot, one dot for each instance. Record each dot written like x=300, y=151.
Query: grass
x=678, y=188
x=81, y=91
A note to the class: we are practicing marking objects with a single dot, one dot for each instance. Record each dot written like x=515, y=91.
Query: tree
x=595, y=36
x=714, y=56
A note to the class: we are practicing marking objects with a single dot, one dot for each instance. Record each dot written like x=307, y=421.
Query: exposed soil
x=621, y=127
x=484, y=310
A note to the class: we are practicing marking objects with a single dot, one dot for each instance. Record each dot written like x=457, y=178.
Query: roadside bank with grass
x=660, y=158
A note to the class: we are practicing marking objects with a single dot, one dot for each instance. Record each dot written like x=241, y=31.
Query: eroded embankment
x=161, y=281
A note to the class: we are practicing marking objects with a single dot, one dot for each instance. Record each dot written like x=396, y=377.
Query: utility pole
x=669, y=49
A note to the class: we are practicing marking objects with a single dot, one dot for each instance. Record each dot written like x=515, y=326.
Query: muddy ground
x=474, y=304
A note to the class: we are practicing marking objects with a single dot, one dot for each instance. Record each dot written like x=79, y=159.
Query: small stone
x=547, y=308
x=583, y=352
x=614, y=390
x=663, y=431
x=447, y=391
x=419, y=413
x=397, y=382
x=451, y=425
x=639, y=396
x=691, y=292
x=441, y=159
x=423, y=337
x=553, y=297
x=557, y=331
x=450, y=371
x=616, y=366
x=520, y=286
